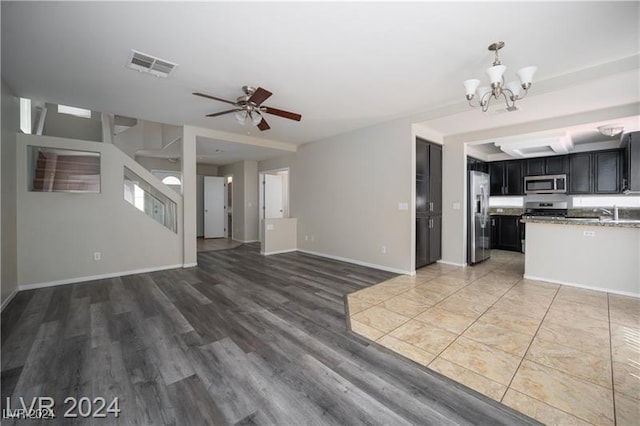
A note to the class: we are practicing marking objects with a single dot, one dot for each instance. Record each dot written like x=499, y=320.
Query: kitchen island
x=589, y=253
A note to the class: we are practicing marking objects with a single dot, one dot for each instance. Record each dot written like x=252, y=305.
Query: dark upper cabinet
x=581, y=173
x=631, y=162
x=513, y=178
x=475, y=165
x=496, y=177
x=435, y=179
x=505, y=177
x=556, y=165
x=608, y=172
x=535, y=167
x=598, y=172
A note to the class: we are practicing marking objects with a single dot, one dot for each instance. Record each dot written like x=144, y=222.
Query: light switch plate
x=403, y=206
x=589, y=233
x=270, y=227
x=456, y=206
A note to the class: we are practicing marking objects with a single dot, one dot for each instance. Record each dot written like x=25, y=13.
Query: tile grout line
x=532, y=339
x=613, y=389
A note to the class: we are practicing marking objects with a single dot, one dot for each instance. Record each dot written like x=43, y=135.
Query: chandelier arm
x=506, y=100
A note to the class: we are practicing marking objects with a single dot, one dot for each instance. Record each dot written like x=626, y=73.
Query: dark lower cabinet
x=506, y=233
x=428, y=240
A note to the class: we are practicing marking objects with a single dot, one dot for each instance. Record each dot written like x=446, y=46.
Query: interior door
x=273, y=205
x=215, y=196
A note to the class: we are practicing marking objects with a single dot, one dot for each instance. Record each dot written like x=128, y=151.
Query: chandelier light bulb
x=526, y=76
x=241, y=116
x=256, y=118
x=510, y=93
x=470, y=87
x=495, y=74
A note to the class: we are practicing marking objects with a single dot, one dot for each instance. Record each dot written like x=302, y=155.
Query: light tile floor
x=559, y=354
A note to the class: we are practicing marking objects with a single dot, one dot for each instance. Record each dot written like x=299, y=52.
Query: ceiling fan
x=249, y=106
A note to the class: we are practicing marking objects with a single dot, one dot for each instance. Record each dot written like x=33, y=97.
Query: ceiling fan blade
x=215, y=114
x=214, y=98
x=259, y=96
x=263, y=125
x=282, y=113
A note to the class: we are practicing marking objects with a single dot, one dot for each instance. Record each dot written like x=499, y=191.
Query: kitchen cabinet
x=631, y=162
x=598, y=172
x=608, y=172
x=506, y=233
x=580, y=173
x=556, y=165
x=475, y=165
x=506, y=177
x=428, y=202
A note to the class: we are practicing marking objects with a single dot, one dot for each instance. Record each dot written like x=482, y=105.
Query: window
x=149, y=200
x=171, y=180
x=25, y=115
x=63, y=170
x=78, y=112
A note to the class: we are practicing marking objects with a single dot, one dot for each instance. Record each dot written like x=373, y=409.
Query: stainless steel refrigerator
x=479, y=220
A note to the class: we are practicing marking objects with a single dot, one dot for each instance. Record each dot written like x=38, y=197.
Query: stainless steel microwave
x=550, y=184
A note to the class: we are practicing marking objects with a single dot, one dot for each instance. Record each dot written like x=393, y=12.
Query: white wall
x=245, y=199
x=72, y=127
x=58, y=233
x=10, y=123
x=345, y=192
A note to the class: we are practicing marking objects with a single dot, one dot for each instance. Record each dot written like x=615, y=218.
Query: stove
x=551, y=206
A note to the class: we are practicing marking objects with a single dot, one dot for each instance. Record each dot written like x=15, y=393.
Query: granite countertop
x=622, y=223
x=506, y=211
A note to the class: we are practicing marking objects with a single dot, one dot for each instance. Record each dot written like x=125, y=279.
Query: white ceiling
x=342, y=65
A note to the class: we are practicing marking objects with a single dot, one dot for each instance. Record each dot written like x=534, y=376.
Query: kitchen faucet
x=613, y=213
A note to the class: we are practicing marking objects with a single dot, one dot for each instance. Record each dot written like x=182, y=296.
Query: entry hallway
x=241, y=339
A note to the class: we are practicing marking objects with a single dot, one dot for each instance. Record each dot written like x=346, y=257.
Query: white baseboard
x=189, y=265
x=446, y=262
x=277, y=252
x=9, y=299
x=245, y=241
x=22, y=287
x=586, y=287
x=358, y=262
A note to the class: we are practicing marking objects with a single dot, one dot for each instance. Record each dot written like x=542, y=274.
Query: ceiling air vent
x=146, y=63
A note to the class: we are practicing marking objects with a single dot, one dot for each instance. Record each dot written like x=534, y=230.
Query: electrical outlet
x=383, y=249
x=97, y=256
x=306, y=238
x=589, y=233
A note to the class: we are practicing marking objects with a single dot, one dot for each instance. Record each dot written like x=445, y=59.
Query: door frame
x=224, y=206
x=261, y=204
x=229, y=211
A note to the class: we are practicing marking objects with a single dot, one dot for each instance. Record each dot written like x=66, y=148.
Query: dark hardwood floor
x=241, y=339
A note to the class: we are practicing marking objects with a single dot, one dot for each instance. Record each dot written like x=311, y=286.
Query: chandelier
x=511, y=92
x=248, y=114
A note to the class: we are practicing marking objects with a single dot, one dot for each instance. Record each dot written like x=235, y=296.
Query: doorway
x=215, y=207
x=273, y=195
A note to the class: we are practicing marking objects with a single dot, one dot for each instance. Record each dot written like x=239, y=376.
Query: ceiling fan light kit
x=249, y=107
x=510, y=92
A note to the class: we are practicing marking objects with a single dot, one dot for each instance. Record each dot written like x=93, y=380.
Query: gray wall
x=59, y=232
x=245, y=199
x=72, y=127
x=10, y=123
